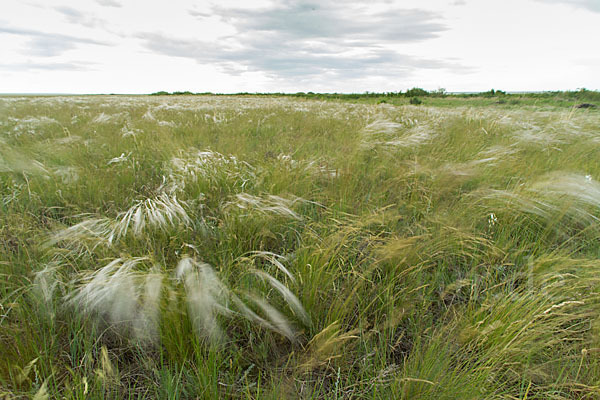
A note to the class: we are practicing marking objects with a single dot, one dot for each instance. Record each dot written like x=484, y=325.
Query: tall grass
x=235, y=247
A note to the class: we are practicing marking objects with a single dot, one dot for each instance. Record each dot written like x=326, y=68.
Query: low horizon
x=186, y=92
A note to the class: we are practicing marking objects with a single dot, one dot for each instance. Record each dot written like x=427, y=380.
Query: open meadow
x=182, y=247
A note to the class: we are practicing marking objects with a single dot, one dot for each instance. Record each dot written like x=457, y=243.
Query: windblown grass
x=247, y=247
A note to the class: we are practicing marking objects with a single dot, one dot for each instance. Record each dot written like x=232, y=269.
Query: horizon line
x=187, y=92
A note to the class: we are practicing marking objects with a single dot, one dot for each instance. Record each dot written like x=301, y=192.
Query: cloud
x=70, y=13
x=199, y=14
x=31, y=66
x=49, y=44
x=591, y=5
x=305, y=39
x=303, y=20
x=109, y=3
x=75, y=16
x=294, y=59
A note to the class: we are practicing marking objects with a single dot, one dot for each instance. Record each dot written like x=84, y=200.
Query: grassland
x=264, y=248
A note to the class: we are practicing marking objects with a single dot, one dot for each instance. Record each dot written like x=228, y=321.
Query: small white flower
x=123, y=157
x=492, y=219
x=588, y=178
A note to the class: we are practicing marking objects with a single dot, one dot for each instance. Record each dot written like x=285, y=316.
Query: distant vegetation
x=578, y=95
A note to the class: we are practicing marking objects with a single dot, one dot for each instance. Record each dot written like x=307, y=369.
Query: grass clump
x=415, y=101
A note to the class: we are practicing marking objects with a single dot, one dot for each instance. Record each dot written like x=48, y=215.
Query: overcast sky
x=142, y=46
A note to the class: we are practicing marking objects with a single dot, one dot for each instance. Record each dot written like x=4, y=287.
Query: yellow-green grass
x=263, y=247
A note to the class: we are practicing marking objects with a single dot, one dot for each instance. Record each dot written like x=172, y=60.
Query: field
x=254, y=247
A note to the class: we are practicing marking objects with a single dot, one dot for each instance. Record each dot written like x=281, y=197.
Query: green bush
x=416, y=92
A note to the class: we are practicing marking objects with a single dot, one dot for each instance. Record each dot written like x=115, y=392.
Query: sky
x=230, y=46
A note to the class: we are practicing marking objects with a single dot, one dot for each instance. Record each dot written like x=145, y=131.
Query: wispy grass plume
x=161, y=212
x=268, y=205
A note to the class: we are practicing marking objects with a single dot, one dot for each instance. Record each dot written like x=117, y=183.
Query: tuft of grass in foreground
x=236, y=247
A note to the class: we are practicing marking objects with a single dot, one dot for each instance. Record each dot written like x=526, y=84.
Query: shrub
x=416, y=92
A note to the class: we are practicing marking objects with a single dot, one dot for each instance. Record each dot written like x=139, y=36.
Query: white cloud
x=109, y=3
x=592, y=5
x=52, y=66
x=48, y=44
x=296, y=40
x=74, y=16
